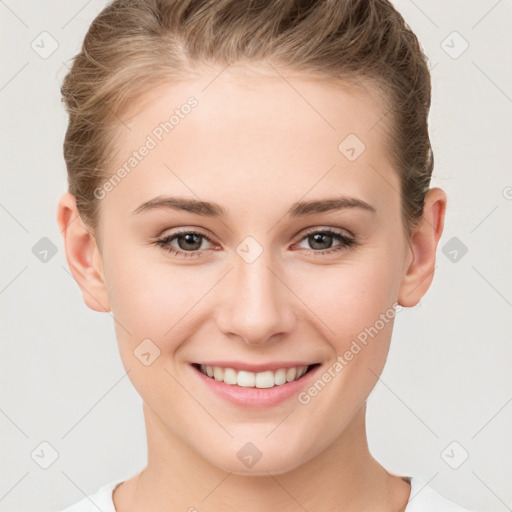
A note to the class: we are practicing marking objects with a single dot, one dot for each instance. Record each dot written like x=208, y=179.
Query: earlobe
x=82, y=255
x=423, y=245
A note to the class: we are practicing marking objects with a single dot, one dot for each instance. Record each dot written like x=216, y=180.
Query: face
x=297, y=261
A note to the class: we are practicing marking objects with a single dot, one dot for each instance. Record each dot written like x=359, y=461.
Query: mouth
x=262, y=380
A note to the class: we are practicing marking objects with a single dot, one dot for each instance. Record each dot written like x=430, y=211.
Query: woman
x=249, y=195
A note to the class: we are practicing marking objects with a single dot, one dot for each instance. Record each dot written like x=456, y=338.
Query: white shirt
x=422, y=499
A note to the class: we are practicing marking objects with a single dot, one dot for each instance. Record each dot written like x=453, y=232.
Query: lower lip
x=256, y=397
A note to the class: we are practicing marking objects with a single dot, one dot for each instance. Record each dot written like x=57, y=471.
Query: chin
x=260, y=469
x=277, y=462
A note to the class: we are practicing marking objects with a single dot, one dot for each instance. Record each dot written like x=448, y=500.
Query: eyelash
x=346, y=243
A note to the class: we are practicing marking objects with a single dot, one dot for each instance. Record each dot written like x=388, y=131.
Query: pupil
x=189, y=239
x=317, y=239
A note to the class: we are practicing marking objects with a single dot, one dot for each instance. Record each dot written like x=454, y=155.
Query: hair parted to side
x=134, y=45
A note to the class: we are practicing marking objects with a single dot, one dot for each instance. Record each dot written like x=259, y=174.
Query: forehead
x=232, y=128
x=236, y=94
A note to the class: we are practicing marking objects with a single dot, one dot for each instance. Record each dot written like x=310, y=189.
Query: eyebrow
x=215, y=210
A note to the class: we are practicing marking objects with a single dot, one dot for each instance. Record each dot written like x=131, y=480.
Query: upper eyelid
x=339, y=231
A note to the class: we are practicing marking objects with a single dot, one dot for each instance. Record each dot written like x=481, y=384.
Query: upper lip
x=256, y=368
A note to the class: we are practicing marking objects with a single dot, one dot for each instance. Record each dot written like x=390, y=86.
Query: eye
x=189, y=243
x=323, y=239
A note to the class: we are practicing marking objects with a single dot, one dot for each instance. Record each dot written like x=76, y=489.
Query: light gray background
x=448, y=374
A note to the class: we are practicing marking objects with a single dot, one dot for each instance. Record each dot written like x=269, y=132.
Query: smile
x=247, y=379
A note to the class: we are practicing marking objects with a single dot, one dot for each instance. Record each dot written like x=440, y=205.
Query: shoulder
x=425, y=499
x=99, y=500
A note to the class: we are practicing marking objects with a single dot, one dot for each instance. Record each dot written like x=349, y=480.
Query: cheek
x=357, y=312
x=355, y=303
x=154, y=308
x=348, y=298
x=153, y=300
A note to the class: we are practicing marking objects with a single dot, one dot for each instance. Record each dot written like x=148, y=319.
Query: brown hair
x=133, y=45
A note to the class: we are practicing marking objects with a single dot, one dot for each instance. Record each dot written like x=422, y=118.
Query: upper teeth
x=267, y=379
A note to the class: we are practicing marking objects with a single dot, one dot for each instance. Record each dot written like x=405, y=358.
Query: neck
x=343, y=477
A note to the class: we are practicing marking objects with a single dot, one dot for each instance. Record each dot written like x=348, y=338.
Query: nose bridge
x=259, y=304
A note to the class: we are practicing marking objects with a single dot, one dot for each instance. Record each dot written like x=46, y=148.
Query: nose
x=258, y=303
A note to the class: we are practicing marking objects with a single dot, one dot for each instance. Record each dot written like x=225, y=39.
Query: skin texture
x=255, y=145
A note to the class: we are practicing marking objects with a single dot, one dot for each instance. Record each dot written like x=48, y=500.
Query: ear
x=423, y=244
x=82, y=254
